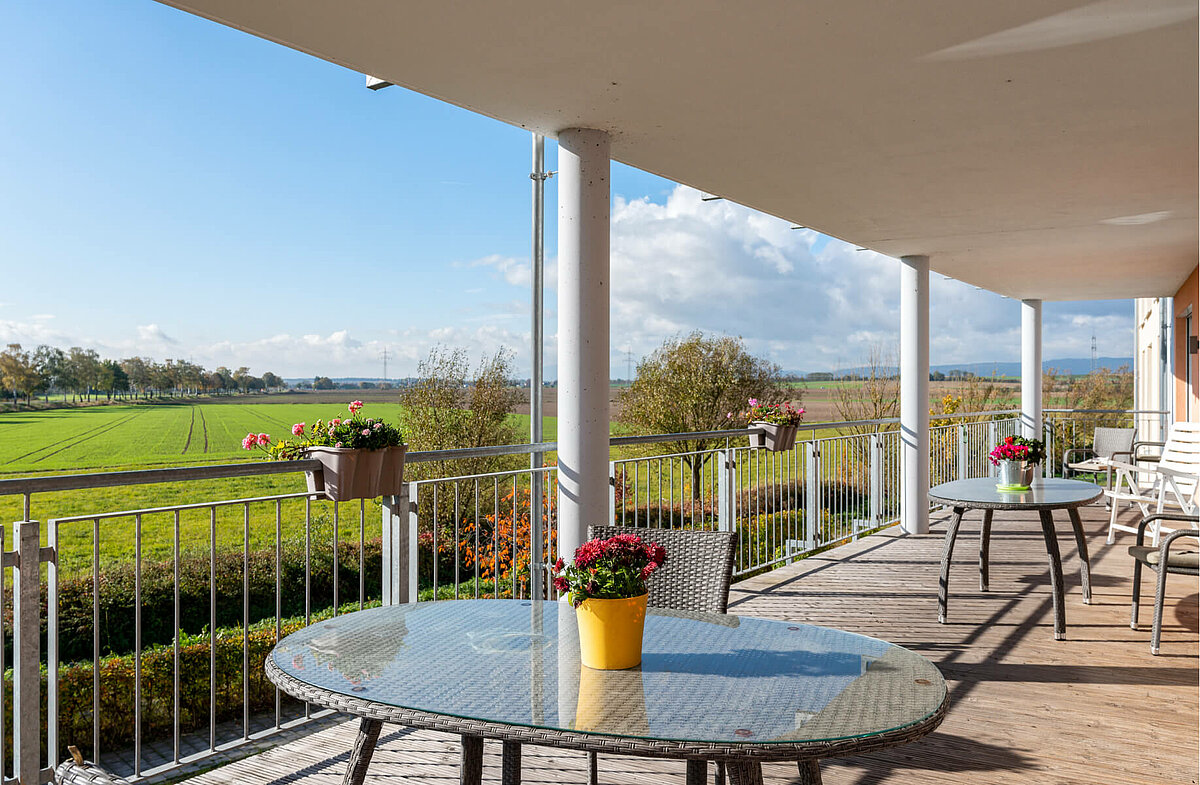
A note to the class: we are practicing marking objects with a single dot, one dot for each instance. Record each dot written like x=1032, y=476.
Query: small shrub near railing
x=115, y=713
x=116, y=600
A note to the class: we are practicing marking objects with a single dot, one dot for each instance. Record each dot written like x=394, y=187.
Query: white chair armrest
x=1169, y=472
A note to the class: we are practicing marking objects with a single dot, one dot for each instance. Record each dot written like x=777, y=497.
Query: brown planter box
x=357, y=474
x=775, y=438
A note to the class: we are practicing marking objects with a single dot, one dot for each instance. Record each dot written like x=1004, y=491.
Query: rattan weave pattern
x=698, y=569
x=87, y=773
x=619, y=745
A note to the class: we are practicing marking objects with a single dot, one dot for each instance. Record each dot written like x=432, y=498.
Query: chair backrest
x=698, y=570
x=1107, y=441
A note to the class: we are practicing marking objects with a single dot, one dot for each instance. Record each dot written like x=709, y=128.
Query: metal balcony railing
x=156, y=620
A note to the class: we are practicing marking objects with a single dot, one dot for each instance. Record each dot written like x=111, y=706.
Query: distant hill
x=1069, y=365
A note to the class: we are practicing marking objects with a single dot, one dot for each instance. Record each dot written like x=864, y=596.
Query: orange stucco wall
x=1187, y=298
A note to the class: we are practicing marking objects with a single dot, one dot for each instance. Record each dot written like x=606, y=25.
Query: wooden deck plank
x=1095, y=708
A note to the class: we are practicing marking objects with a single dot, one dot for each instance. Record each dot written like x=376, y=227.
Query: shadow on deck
x=1095, y=708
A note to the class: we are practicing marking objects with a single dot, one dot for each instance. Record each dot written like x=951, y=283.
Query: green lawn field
x=112, y=437
x=122, y=438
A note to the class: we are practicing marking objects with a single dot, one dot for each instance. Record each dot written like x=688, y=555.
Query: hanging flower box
x=348, y=473
x=779, y=423
x=361, y=457
x=776, y=438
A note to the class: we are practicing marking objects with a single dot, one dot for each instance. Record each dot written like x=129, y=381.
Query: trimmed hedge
x=116, y=590
x=116, y=707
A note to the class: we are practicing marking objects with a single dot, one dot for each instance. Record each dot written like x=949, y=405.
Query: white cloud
x=809, y=305
x=341, y=354
x=153, y=335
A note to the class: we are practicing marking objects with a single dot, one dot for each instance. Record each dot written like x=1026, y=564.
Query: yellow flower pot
x=610, y=632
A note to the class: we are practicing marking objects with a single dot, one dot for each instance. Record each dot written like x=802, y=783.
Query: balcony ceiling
x=1038, y=148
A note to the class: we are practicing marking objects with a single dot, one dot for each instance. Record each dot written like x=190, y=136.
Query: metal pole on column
x=536, y=485
x=914, y=394
x=1031, y=369
x=584, y=284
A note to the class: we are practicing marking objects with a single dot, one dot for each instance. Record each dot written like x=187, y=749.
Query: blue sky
x=173, y=188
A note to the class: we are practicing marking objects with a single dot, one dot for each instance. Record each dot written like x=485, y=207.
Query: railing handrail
x=71, y=482
x=1105, y=411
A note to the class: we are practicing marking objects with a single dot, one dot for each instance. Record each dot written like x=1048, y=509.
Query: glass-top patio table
x=710, y=687
x=1044, y=496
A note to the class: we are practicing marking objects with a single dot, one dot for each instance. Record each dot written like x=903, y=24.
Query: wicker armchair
x=698, y=570
x=1162, y=560
x=1107, y=444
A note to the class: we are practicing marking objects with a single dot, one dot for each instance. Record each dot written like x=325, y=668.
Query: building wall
x=1187, y=364
x=1148, y=365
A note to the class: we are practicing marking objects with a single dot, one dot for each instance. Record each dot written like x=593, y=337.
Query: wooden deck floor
x=1095, y=708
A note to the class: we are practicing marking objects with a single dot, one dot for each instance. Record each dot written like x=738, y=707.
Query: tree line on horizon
x=85, y=375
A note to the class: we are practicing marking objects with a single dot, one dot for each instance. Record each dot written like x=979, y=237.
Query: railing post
x=1048, y=436
x=27, y=654
x=725, y=490
x=991, y=444
x=612, y=494
x=875, y=470
x=963, y=464
x=537, y=558
x=812, y=495
x=400, y=546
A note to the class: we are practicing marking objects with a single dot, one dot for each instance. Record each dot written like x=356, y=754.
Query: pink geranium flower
x=355, y=406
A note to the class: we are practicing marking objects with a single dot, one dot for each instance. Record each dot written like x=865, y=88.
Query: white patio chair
x=1174, y=481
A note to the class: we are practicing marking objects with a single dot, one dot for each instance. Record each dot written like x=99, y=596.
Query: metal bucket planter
x=776, y=438
x=357, y=474
x=1015, y=475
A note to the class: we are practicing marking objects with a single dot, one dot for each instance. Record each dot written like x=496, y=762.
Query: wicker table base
x=741, y=772
x=1052, y=552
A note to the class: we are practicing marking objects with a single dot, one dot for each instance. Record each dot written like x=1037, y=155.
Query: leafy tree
x=322, y=383
x=448, y=409
x=190, y=376
x=272, y=381
x=137, y=369
x=223, y=378
x=84, y=370
x=113, y=379
x=694, y=384
x=18, y=373
x=51, y=365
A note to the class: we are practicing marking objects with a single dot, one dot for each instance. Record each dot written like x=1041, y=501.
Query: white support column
x=583, y=340
x=914, y=394
x=1031, y=369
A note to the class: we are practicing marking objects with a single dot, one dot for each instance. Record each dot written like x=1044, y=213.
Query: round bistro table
x=1044, y=496
x=710, y=687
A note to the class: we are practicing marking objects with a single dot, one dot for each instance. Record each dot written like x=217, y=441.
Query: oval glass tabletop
x=704, y=677
x=1048, y=492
